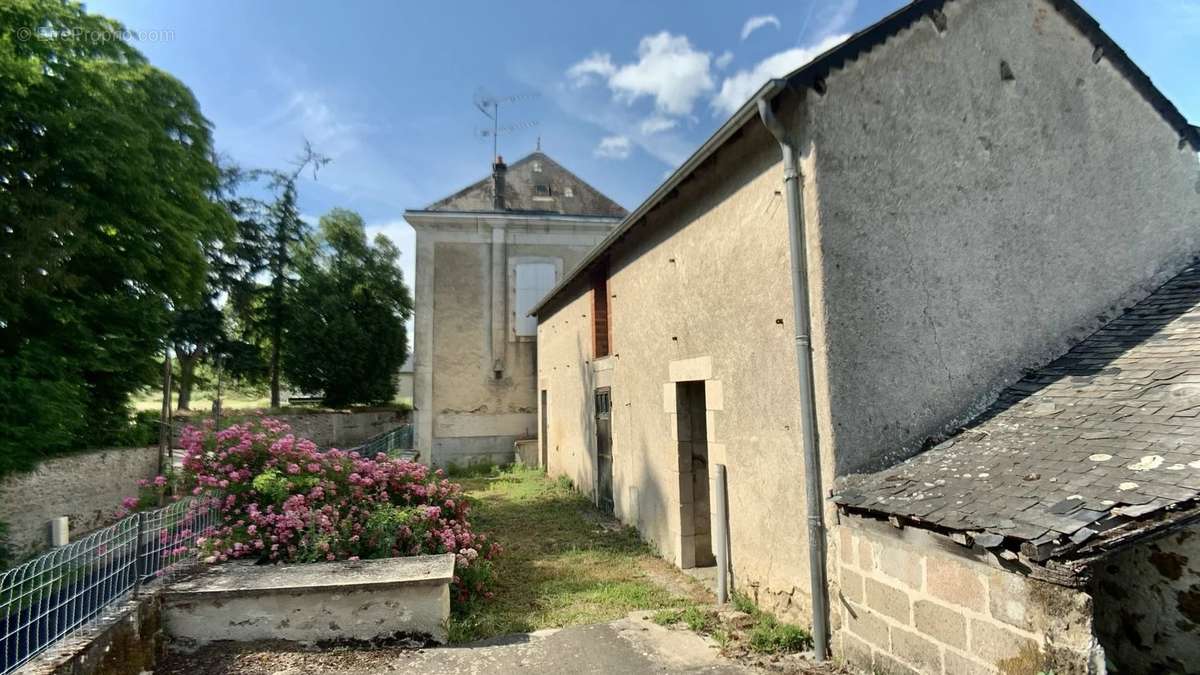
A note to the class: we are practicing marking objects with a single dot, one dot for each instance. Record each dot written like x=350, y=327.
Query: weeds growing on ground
x=564, y=562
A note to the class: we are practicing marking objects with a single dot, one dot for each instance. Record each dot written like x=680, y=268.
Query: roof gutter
x=801, y=320
x=731, y=126
x=423, y=217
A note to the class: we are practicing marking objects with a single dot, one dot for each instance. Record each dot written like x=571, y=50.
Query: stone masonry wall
x=87, y=488
x=326, y=428
x=905, y=601
x=1148, y=605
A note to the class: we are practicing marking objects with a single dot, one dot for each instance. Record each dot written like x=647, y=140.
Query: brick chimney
x=499, y=168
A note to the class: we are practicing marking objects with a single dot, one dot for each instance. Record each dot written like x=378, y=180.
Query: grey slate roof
x=1095, y=443
x=520, y=195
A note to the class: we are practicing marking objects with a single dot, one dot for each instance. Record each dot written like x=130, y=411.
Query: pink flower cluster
x=282, y=499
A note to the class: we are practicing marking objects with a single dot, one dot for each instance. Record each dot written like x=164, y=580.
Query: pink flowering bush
x=283, y=500
x=152, y=493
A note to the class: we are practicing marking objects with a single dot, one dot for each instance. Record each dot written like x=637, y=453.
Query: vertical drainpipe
x=808, y=412
x=499, y=322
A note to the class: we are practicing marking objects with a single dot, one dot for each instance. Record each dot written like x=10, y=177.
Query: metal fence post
x=722, y=532
x=138, y=563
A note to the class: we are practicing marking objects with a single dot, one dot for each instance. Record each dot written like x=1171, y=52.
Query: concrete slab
x=321, y=602
x=243, y=578
x=633, y=645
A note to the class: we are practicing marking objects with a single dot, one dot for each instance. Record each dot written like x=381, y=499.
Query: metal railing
x=397, y=443
x=68, y=589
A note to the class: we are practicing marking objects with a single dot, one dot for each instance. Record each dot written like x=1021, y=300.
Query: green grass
x=742, y=603
x=769, y=636
x=150, y=398
x=695, y=618
x=563, y=564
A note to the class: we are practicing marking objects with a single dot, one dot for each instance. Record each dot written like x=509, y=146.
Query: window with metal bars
x=601, y=335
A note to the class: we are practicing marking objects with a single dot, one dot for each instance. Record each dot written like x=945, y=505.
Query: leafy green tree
x=196, y=334
x=269, y=235
x=106, y=201
x=346, y=330
x=205, y=332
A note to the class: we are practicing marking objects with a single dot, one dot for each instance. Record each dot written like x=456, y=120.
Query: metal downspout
x=808, y=412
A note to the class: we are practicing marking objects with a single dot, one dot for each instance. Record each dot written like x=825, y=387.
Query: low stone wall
x=1148, y=605
x=906, y=601
x=326, y=428
x=87, y=488
x=129, y=642
x=360, y=600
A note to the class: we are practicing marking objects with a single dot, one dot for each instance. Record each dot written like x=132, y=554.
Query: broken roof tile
x=1103, y=434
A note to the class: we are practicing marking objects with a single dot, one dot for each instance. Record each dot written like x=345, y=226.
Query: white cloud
x=834, y=18
x=724, y=60
x=614, y=147
x=755, y=22
x=656, y=124
x=668, y=69
x=333, y=132
x=737, y=88
x=598, y=64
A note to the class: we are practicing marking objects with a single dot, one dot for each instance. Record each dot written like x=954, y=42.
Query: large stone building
x=485, y=255
x=982, y=186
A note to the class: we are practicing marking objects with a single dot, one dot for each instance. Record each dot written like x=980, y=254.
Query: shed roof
x=1086, y=453
x=813, y=74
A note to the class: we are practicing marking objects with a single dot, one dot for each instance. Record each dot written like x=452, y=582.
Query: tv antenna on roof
x=489, y=105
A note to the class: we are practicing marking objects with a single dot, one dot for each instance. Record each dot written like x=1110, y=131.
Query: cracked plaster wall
x=703, y=295
x=971, y=226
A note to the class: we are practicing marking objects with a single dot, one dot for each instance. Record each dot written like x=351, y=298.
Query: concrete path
x=630, y=645
x=633, y=645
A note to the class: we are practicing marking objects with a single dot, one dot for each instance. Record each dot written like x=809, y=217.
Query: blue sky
x=625, y=90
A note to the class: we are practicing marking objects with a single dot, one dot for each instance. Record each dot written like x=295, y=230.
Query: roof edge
x=849, y=50
x=722, y=134
x=551, y=216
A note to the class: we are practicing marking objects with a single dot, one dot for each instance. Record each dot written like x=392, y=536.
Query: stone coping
x=242, y=579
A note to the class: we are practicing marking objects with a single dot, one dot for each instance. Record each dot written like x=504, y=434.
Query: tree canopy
x=107, y=188
x=346, y=327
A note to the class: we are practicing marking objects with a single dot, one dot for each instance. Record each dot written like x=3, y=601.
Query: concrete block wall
x=905, y=601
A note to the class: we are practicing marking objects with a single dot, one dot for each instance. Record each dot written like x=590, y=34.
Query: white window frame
x=514, y=322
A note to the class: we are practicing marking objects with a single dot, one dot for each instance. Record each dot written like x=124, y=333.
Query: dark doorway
x=543, y=429
x=604, y=462
x=692, y=430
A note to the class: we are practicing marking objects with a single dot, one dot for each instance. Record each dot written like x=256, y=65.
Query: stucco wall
x=465, y=413
x=907, y=601
x=87, y=488
x=1148, y=605
x=970, y=227
x=962, y=227
x=704, y=297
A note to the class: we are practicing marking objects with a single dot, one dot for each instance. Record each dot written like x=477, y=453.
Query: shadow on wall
x=1146, y=601
x=1079, y=361
x=585, y=471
